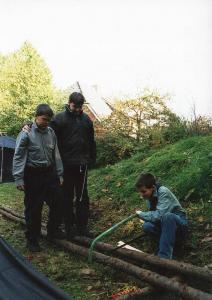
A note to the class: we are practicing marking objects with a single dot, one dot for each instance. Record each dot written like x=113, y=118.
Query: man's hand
x=20, y=188
x=27, y=128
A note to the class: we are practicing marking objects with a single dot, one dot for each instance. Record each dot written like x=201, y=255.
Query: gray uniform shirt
x=36, y=149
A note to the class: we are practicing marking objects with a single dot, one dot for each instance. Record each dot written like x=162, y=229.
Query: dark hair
x=44, y=110
x=76, y=98
x=145, y=180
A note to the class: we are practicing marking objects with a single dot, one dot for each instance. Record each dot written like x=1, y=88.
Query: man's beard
x=77, y=113
x=42, y=127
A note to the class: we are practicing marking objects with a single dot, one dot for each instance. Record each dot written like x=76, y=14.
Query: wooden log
x=154, y=279
x=17, y=214
x=174, y=266
x=12, y=217
x=11, y=212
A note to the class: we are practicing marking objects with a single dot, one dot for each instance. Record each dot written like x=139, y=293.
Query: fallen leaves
x=88, y=271
x=201, y=219
x=206, y=239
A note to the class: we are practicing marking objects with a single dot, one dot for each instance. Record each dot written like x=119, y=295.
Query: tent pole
x=2, y=158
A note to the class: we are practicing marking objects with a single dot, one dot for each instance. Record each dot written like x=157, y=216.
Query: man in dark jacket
x=76, y=143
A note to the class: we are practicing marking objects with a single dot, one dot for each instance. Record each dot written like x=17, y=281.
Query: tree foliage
x=25, y=82
x=112, y=148
x=132, y=117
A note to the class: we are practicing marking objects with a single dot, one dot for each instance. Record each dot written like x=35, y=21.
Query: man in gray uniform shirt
x=38, y=171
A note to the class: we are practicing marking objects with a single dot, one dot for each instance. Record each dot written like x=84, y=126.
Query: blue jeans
x=166, y=229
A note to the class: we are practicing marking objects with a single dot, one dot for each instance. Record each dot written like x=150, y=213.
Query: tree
x=25, y=82
x=199, y=124
x=132, y=117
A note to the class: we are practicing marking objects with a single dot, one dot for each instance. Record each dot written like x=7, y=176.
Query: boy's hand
x=20, y=188
x=138, y=212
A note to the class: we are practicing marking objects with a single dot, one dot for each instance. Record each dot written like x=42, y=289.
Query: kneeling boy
x=38, y=171
x=165, y=215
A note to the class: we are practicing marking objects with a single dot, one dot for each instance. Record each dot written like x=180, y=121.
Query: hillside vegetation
x=185, y=167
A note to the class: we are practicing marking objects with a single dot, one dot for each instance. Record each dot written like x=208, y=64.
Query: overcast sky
x=120, y=45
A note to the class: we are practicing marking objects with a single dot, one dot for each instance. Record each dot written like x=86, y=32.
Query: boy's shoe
x=33, y=246
x=58, y=234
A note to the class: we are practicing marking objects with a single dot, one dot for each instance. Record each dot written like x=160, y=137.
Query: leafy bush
x=175, y=130
x=113, y=148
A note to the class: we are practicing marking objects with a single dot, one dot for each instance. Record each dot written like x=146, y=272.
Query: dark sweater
x=75, y=135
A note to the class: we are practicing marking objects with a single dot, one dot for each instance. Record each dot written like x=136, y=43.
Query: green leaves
x=132, y=117
x=25, y=82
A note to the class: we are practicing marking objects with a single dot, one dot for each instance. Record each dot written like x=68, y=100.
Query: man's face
x=42, y=121
x=145, y=192
x=75, y=108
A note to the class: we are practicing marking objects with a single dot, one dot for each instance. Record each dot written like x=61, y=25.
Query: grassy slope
x=185, y=167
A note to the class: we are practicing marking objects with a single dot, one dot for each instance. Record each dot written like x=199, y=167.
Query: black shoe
x=85, y=232
x=33, y=246
x=58, y=234
x=70, y=234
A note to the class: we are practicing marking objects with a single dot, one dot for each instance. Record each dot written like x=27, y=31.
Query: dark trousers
x=75, y=188
x=41, y=185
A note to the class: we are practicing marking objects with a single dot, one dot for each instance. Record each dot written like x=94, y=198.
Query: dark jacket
x=75, y=135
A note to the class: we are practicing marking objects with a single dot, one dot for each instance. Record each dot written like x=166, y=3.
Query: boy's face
x=145, y=192
x=42, y=121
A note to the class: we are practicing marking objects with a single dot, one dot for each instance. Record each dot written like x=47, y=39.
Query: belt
x=36, y=170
